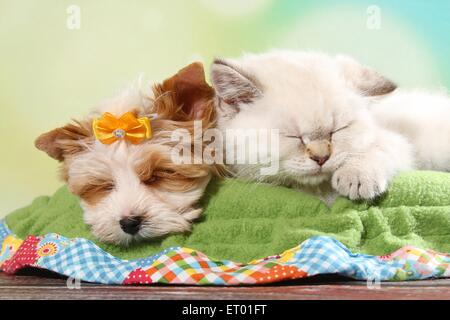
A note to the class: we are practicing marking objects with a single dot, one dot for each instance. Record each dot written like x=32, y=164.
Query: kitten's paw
x=357, y=184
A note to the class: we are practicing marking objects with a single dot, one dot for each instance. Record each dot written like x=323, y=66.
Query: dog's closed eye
x=93, y=190
x=164, y=173
x=150, y=180
x=158, y=175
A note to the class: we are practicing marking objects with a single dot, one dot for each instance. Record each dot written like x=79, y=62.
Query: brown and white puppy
x=135, y=191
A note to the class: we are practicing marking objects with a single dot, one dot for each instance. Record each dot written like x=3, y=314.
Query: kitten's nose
x=130, y=225
x=319, y=151
x=320, y=160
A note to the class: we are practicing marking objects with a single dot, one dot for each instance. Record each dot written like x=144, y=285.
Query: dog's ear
x=62, y=142
x=186, y=95
x=233, y=85
x=365, y=80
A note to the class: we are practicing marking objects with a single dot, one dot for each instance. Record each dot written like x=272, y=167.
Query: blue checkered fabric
x=4, y=231
x=320, y=254
x=145, y=262
x=82, y=259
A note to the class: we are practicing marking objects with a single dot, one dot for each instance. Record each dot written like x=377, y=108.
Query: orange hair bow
x=109, y=129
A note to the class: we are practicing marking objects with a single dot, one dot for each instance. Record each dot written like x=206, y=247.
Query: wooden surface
x=43, y=285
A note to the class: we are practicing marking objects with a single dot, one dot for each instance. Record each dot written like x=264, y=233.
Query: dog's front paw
x=358, y=184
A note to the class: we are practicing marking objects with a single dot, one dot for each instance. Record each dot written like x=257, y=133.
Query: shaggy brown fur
x=178, y=101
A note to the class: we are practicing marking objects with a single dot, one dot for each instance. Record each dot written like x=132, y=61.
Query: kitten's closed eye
x=305, y=141
x=340, y=129
x=296, y=137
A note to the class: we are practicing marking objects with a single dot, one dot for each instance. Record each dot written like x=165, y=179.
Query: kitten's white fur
x=424, y=118
x=310, y=95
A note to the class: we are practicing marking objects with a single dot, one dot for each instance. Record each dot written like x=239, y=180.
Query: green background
x=50, y=73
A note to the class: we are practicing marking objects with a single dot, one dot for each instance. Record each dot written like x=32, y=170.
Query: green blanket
x=243, y=221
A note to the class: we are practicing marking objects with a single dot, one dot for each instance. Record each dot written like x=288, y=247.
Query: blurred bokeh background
x=54, y=67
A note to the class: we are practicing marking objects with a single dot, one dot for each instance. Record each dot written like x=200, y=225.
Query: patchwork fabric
x=81, y=259
x=242, y=221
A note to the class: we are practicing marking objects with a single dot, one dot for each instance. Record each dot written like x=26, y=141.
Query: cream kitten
x=340, y=126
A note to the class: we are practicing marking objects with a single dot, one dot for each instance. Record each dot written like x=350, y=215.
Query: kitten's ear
x=65, y=141
x=364, y=79
x=233, y=85
x=186, y=95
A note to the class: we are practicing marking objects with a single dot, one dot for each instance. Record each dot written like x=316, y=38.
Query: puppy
x=118, y=159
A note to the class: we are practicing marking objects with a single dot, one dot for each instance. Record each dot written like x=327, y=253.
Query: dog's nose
x=320, y=160
x=130, y=225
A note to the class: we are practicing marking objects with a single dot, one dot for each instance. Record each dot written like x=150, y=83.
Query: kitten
x=342, y=128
